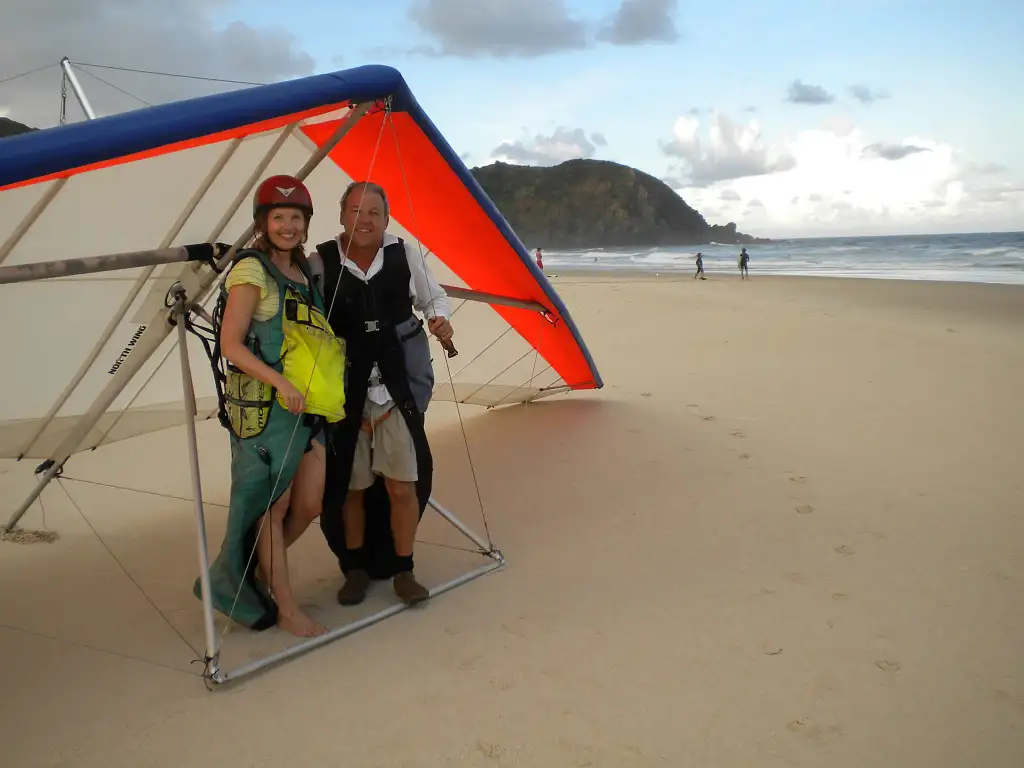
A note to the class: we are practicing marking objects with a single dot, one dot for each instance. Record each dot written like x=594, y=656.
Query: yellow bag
x=247, y=402
x=313, y=357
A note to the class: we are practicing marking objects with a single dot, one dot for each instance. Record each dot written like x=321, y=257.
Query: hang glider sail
x=86, y=352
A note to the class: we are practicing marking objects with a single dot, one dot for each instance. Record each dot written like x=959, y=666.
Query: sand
x=787, y=532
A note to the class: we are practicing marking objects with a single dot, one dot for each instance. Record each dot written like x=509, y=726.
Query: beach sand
x=786, y=532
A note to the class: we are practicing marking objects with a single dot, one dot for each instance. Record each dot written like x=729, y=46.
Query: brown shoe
x=408, y=589
x=354, y=590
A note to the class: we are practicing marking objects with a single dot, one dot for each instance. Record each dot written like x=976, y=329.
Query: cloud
x=599, y=139
x=840, y=126
x=803, y=93
x=564, y=144
x=531, y=28
x=892, y=152
x=866, y=95
x=640, y=21
x=848, y=182
x=175, y=36
x=499, y=28
x=985, y=169
x=732, y=152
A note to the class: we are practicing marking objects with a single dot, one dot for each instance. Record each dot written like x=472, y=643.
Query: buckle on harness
x=372, y=325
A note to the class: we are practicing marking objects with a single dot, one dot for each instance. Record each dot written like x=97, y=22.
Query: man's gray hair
x=366, y=186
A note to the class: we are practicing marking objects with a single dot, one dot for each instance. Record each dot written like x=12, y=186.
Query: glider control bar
x=494, y=298
x=21, y=273
x=208, y=252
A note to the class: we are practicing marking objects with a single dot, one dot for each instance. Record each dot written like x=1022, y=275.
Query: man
x=379, y=466
x=744, y=260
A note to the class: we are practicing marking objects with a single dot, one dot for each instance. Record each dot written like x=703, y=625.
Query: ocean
x=995, y=257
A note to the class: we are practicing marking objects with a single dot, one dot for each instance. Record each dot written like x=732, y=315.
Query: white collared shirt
x=427, y=295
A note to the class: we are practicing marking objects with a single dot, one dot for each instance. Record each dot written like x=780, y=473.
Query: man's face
x=364, y=219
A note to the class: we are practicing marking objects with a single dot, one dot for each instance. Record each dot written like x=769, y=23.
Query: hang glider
x=92, y=354
x=183, y=173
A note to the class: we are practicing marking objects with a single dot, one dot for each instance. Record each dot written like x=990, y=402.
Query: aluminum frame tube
x=83, y=101
x=353, y=627
x=212, y=656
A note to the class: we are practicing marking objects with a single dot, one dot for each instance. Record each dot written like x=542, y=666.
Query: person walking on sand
x=540, y=260
x=744, y=259
x=700, y=267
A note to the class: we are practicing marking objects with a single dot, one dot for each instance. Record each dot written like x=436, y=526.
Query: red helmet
x=280, y=192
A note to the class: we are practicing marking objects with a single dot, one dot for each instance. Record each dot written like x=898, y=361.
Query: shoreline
x=633, y=274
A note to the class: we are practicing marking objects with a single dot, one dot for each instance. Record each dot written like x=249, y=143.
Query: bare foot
x=299, y=624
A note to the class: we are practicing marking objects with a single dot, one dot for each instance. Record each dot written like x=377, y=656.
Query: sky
x=792, y=118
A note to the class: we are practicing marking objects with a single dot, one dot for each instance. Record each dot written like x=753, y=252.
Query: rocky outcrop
x=10, y=127
x=596, y=204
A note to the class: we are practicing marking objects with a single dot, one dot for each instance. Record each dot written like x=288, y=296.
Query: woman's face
x=286, y=228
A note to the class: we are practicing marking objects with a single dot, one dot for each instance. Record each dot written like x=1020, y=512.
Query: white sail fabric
x=51, y=328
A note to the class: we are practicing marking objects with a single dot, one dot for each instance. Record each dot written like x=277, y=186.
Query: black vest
x=365, y=314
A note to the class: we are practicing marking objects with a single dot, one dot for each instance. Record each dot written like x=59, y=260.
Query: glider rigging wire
x=389, y=119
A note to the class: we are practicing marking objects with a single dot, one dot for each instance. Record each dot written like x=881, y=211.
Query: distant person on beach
x=744, y=260
x=540, y=260
x=700, y=267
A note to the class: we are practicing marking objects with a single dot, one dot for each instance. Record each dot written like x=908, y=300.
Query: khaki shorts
x=387, y=449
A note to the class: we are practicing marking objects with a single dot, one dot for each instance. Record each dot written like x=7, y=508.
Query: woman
x=280, y=385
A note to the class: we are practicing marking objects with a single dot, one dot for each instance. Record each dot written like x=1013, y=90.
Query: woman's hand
x=294, y=400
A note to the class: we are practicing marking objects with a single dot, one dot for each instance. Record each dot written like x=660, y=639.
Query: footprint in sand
x=707, y=418
x=797, y=479
x=815, y=733
x=842, y=549
x=744, y=455
x=490, y=751
x=501, y=685
x=513, y=631
x=806, y=509
x=737, y=433
x=889, y=666
x=467, y=662
x=798, y=578
x=840, y=596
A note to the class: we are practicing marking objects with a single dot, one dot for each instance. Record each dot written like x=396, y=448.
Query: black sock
x=356, y=559
x=404, y=562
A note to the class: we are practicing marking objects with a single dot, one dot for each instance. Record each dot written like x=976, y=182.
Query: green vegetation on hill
x=10, y=127
x=596, y=204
